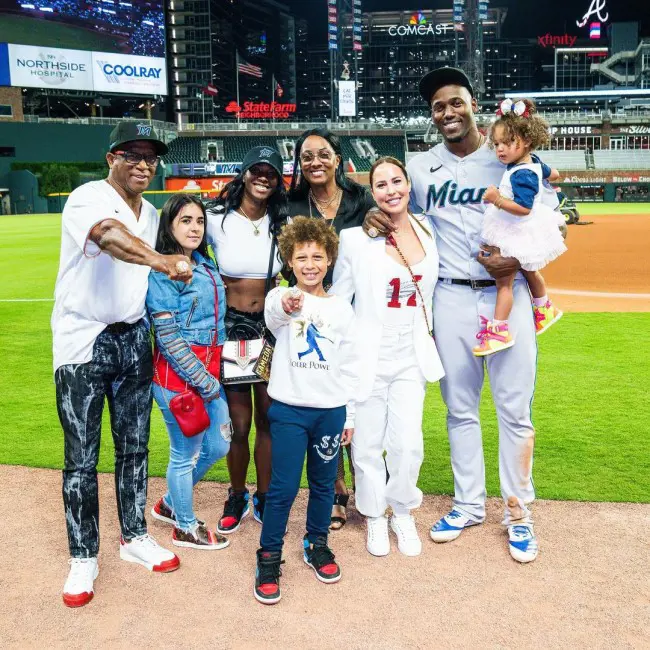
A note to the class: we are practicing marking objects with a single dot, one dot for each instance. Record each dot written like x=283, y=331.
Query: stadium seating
x=192, y=150
x=622, y=159
x=564, y=160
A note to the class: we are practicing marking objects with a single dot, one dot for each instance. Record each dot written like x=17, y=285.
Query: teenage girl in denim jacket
x=184, y=321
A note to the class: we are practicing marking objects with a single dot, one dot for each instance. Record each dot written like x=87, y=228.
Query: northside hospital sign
x=49, y=67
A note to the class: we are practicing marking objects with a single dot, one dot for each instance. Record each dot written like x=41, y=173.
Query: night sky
x=525, y=18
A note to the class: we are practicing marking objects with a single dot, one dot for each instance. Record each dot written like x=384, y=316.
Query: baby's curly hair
x=533, y=129
x=302, y=230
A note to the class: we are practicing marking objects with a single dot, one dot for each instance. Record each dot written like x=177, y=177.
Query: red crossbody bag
x=188, y=407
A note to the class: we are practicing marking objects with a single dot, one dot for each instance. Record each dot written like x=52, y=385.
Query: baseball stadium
x=208, y=82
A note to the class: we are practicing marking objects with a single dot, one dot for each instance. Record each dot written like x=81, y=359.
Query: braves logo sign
x=595, y=8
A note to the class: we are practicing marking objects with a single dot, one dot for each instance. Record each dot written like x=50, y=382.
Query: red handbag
x=189, y=410
x=188, y=407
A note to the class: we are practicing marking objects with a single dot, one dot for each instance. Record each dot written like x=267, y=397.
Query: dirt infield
x=605, y=261
x=588, y=587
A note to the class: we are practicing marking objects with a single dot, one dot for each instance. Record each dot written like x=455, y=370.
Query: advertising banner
x=347, y=99
x=124, y=73
x=49, y=67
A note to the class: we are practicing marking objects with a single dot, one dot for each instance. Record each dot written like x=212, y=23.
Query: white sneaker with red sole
x=78, y=589
x=146, y=551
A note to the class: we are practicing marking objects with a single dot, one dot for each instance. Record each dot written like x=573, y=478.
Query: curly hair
x=303, y=230
x=533, y=130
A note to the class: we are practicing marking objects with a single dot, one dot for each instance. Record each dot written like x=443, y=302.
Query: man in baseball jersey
x=448, y=183
x=102, y=351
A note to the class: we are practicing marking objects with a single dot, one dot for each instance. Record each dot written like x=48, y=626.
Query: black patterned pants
x=120, y=371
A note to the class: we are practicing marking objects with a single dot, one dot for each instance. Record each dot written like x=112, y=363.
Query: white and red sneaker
x=146, y=551
x=78, y=589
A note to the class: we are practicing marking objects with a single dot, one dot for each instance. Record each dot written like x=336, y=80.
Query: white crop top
x=402, y=298
x=240, y=251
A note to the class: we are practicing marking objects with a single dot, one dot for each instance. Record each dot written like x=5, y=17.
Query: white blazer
x=362, y=272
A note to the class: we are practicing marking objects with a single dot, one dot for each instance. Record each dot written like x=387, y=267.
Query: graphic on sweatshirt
x=308, y=328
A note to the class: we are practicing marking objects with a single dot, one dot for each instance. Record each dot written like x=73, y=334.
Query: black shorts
x=245, y=326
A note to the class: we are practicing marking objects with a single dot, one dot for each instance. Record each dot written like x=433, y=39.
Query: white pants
x=456, y=314
x=390, y=420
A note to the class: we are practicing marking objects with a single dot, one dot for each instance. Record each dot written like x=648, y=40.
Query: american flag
x=248, y=68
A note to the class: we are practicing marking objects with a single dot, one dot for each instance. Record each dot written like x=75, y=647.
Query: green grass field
x=591, y=407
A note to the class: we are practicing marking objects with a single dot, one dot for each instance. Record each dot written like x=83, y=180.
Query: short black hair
x=166, y=243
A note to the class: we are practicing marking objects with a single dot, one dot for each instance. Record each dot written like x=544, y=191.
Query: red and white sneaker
x=146, y=551
x=78, y=589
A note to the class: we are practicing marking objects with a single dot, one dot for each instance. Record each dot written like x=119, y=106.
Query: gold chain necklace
x=326, y=203
x=256, y=224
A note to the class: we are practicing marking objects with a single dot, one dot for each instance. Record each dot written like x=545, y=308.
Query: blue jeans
x=297, y=431
x=191, y=458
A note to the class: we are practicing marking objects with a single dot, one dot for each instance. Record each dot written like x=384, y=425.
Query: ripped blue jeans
x=120, y=371
x=191, y=458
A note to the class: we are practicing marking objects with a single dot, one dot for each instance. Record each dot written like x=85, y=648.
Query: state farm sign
x=261, y=110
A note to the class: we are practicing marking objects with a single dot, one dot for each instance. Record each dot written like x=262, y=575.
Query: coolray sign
x=261, y=110
x=51, y=67
x=48, y=67
x=123, y=73
x=551, y=40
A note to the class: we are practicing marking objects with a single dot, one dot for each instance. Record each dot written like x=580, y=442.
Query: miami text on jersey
x=449, y=192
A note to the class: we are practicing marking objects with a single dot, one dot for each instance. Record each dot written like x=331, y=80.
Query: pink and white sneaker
x=79, y=589
x=146, y=551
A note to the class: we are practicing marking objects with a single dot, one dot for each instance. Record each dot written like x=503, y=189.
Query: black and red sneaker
x=162, y=512
x=237, y=507
x=267, y=577
x=320, y=558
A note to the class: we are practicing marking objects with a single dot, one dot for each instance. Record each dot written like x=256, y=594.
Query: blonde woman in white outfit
x=391, y=280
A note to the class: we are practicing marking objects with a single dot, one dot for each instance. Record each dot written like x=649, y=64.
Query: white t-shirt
x=315, y=362
x=92, y=289
x=402, y=297
x=241, y=253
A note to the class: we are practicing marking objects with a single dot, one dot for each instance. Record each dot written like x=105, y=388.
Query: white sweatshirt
x=315, y=362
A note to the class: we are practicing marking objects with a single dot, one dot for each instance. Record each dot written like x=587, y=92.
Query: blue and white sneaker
x=522, y=542
x=259, y=501
x=449, y=527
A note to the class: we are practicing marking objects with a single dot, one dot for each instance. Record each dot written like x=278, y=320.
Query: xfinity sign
x=420, y=30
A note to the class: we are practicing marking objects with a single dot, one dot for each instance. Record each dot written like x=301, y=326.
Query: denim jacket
x=192, y=321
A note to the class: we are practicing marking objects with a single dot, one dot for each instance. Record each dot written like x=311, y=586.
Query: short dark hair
x=166, y=243
x=303, y=230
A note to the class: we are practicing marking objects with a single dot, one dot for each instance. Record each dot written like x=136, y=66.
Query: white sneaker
x=378, y=542
x=146, y=551
x=522, y=543
x=408, y=540
x=449, y=527
x=78, y=589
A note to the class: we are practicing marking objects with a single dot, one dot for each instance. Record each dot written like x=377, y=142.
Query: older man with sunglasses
x=102, y=351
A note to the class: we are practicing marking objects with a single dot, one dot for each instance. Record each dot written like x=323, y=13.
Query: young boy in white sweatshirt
x=313, y=377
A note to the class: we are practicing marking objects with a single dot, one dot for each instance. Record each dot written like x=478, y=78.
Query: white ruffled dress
x=535, y=240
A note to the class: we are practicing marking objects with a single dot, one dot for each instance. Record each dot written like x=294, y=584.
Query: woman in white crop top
x=391, y=280
x=243, y=225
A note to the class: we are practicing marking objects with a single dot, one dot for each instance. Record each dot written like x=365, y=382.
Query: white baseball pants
x=390, y=420
x=456, y=315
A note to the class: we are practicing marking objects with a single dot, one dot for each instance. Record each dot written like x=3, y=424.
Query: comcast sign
x=418, y=26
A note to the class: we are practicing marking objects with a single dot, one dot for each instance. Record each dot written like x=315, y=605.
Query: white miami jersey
x=449, y=190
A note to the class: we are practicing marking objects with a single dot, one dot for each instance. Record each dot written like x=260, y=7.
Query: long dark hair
x=166, y=243
x=300, y=187
x=231, y=196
